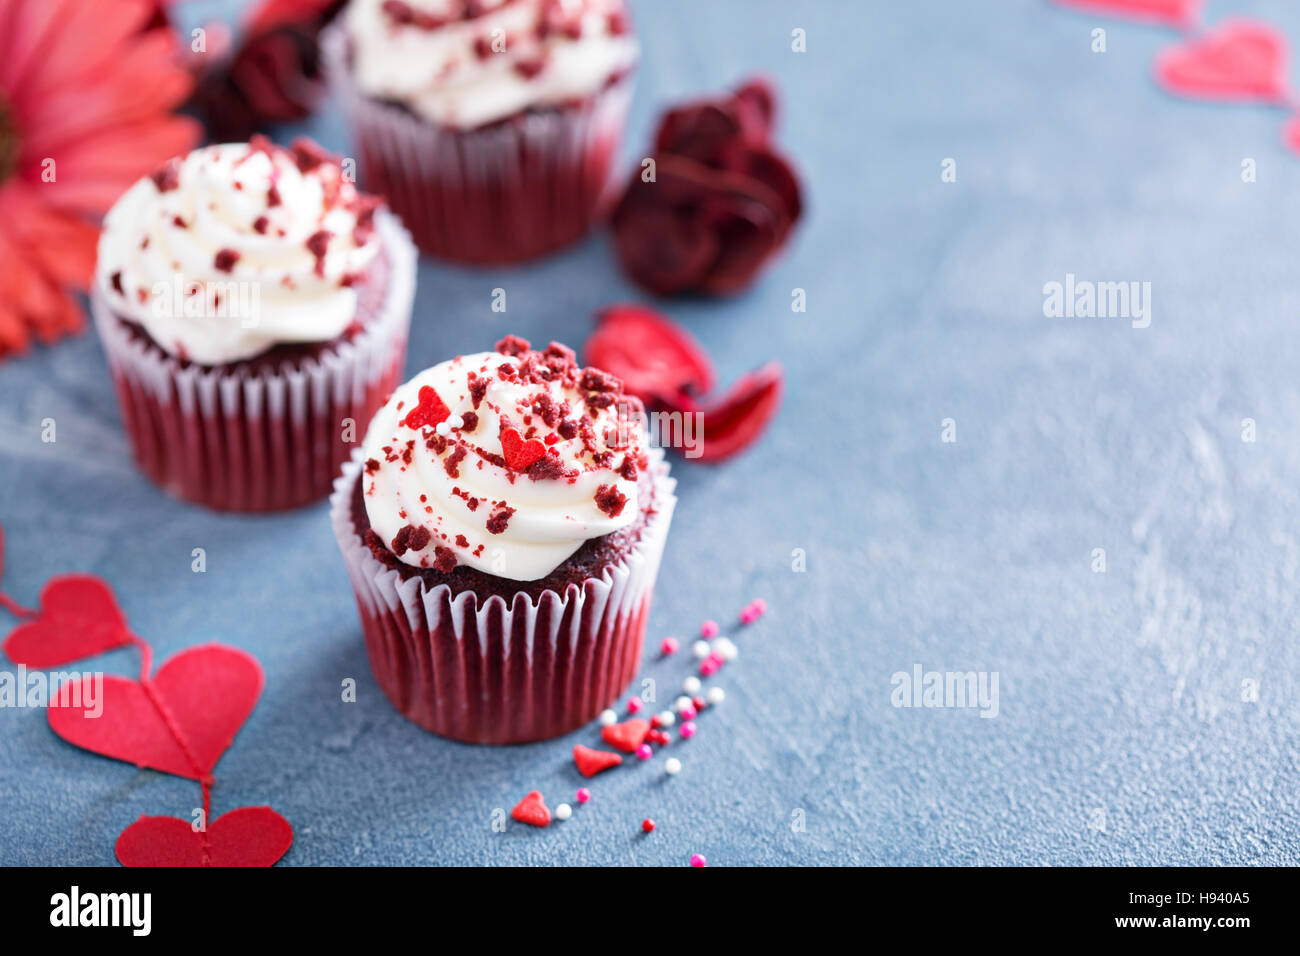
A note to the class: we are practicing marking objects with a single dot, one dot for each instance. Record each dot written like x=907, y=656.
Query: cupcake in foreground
x=254, y=308
x=502, y=527
x=490, y=125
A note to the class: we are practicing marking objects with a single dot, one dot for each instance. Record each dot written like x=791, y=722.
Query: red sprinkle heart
x=626, y=736
x=591, y=761
x=1174, y=13
x=1238, y=60
x=78, y=617
x=429, y=412
x=532, y=810
x=519, y=454
x=207, y=692
x=652, y=356
x=249, y=836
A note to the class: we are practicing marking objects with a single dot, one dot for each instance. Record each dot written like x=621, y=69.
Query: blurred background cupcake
x=254, y=308
x=490, y=125
x=502, y=528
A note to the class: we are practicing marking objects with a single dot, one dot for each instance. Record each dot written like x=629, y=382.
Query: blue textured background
x=1120, y=692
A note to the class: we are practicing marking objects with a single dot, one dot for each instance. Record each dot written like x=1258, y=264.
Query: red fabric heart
x=1173, y=13
x=207, y=692
x=591, y=762
x=519, y=454
x=532, y=810
x=78, y=617
x=249, y=836
x=6, y=602
x=626, y=736
x=429, y=412
x=1238, y=60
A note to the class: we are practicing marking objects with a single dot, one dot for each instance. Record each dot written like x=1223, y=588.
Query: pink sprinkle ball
x=753, y=611
x=689, y=713
x=709, y=666
x=709, y=629
x=697, y=859
x=668, y=645
x=644, y=752
x=688, y=729
x=584, y=795
x=634, y=705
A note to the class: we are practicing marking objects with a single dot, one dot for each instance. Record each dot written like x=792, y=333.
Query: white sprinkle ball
x=667, y=718
x=563, y=811
x=716, y=695
x=608, y=717
x=691, y=685
x=726, y=649
x=672, y=766
x=700, y=649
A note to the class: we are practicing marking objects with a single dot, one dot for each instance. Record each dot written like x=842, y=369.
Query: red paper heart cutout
x=249, y=836
x=532, y=810
x=1238, y=60
x=78, y=617
x=1174, y=13
x=591, y=762
x=519, y=454
x=626, y=736
x=208, y=693
x=430, y=412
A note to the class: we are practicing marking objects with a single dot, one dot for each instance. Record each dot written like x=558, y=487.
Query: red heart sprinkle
x=591, y=761
x=208, y=693
x=429, y=412
x=78, y=617
x=1173, y=13
x=532, y=810
x=1240, y=60
x=249, y=836
x=626, y=736
x=519, y=454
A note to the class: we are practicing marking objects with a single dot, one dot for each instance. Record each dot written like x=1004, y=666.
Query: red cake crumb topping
x=410, y=538
x=225, y=260
x=260, y=224
x=167, y=176
x=499, y=518
x=610, y=500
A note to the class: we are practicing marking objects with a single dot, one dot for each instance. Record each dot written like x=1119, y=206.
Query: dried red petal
x=652, y=356
x=740, y=416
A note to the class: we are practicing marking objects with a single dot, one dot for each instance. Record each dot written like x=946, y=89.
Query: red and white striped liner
x=264, y=440
x=504, y=193
x=504, y=674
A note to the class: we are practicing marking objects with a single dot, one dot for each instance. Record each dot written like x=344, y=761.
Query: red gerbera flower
x=86, y=91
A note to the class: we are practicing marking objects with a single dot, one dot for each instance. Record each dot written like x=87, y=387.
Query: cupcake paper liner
x=264, y=439
x=498, y=673
x=504, y=193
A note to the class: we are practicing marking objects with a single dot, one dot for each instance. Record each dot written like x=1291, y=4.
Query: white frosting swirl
x=442, y=496
x=465, y=63
x=214, y=255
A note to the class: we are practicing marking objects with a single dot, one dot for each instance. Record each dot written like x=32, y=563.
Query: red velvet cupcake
x=254, y=308
x=502, y=527
x=490, y=125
